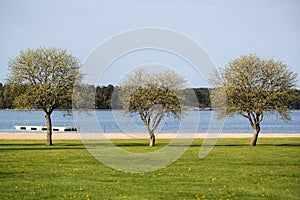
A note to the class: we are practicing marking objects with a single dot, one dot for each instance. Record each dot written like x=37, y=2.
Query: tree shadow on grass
x=185, y=145
x=282, y=144
x=40, y=146
x=261, y=144
x=6, y=173
x=137, y=145
x=73, y=146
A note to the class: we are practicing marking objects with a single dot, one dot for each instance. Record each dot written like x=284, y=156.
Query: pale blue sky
x=226, y=29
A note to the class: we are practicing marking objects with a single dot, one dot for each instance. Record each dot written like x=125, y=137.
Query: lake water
x=114, y=122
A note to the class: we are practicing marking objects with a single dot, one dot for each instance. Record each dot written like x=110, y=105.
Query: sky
x=225, y=29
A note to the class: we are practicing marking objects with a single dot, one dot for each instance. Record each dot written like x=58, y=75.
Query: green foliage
x=47, y=76
x=296, y=103
x=152, y=96
x=203, y=98
x=1, y=96
x=7, y=95
x=83, y=96
x=104, y=96
x=231, y=171
x=253, y=87
x=155, y=98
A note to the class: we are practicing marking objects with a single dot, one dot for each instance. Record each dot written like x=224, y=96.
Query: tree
x=253, y=88
x=48, y=75
x=152, y=96
x=202, y=97
x=1, y=96
x=103, y=96
x=296, y=103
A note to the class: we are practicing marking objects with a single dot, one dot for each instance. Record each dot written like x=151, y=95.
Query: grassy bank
x=233, y=170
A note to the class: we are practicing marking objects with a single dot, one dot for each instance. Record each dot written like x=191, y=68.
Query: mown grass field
x=233, y=170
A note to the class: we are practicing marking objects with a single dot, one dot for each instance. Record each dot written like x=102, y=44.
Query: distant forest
x=103, y=97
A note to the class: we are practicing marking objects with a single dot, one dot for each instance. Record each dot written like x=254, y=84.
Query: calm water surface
x=115, y=122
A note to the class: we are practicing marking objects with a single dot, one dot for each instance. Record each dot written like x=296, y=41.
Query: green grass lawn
x=233, y=170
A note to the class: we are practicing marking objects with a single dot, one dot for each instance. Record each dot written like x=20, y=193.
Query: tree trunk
x=49, y=129
x=152, y=140
x=256, y=130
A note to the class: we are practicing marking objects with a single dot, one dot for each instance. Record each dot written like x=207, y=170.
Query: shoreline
x=77, y=136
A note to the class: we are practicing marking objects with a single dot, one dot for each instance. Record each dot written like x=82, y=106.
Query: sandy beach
x=77, y=136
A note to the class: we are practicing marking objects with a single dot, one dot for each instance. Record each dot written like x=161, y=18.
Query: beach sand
x=77, y=136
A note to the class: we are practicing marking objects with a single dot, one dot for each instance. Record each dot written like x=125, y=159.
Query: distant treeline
x=103, y=97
